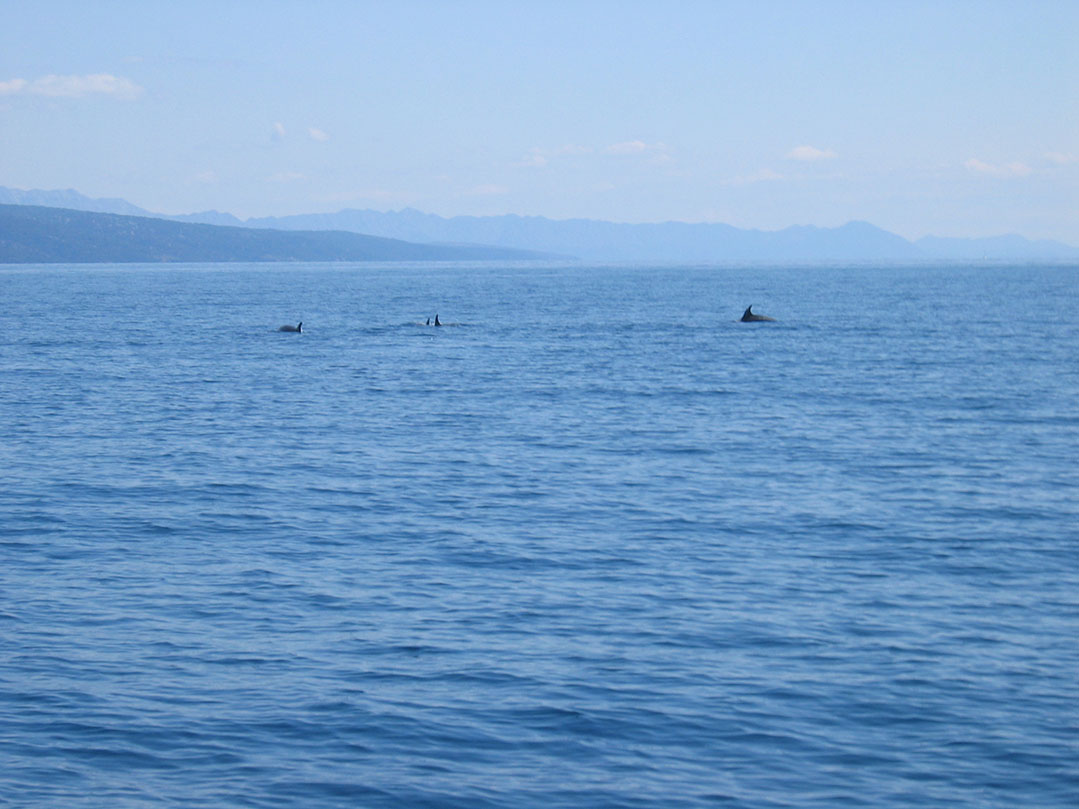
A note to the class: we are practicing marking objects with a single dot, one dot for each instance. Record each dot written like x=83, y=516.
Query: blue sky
x=957, y=119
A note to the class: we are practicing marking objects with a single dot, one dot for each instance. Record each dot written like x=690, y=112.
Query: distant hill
x=32, y=234
x=610, y=241
x=69, y=198
x=595, y=240
x=675, y=241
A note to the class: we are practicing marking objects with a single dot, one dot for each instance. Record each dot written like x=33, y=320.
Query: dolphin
x=749, y=317
x=297, y=328
x=436, y=321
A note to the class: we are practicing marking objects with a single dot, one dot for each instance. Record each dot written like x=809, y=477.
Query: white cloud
x=538, y=157
x=318, y=134
x=278, y=131
x=206, y=177
x=12, y=86
x=656, y=153
x=810, y=154
x=535, y=159
x=1062, y=159
x=999, y=170
x=53, y=86
x=628, y=147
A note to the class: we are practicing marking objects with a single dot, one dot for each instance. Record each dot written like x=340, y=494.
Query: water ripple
x=542, y=559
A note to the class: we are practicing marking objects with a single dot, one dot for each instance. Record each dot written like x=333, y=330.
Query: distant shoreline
x=47, y=234
x=31, y=234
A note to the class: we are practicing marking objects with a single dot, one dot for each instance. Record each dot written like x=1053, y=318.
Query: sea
x=593, y=542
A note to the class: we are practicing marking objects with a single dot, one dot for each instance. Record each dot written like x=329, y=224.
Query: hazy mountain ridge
x=598, y=240
x=610, y=241
x=683, y=241
x=41, y=234
x=70, y=198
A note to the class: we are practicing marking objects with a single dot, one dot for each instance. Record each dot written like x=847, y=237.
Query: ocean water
x=593, y=543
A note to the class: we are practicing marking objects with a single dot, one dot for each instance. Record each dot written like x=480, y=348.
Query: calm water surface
x=591, y=544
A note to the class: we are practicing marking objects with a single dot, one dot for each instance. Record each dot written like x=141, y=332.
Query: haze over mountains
x=34, y=234
x=598, y=240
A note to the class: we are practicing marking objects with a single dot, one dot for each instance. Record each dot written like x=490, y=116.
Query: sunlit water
x=593, y=543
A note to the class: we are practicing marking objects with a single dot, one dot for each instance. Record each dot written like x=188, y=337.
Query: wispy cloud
x=206, y=177
x=277, y=131
x=1062, y=159
x=535, y=159
x=997, y=170
x=810, y=154
x=654, y=152
x=52, y=86
x=627, y=147
x=539, y=157
x=631, y=147
x=318, y=134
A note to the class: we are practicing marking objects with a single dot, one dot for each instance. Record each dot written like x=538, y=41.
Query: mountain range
x=597, y=240
x=35, y=234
